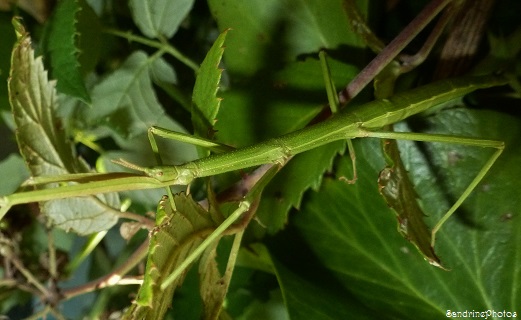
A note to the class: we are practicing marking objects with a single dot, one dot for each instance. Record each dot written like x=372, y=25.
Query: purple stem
x=392, y=50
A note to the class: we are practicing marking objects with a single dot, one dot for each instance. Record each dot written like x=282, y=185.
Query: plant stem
x=392, y=49
x=112, y=278
x=53, y=268
x=410, y=62
x=8, y=254
x=163, y=45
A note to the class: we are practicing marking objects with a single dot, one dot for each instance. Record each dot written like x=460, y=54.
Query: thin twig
x=112, y=278
x=392, y=49
x=164, y=45
x=409, y=62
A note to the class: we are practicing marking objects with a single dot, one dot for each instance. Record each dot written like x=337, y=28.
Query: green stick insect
x=364, y=121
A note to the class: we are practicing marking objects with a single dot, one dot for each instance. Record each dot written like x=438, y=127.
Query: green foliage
x=44, y=145
x=125, y=101
x=317, y=248
x=348, y=244
x=273, y=87
x=63, y=50
x=176, y=234
x=205, y=105
x=160, y=18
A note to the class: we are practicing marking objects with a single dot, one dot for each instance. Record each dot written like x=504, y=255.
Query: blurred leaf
x=83, y=215
x=12, y=166
x=6, y=45
x=349, y=233
x=205, y=101
x=43, y=143
x=38, y=9
x=272, y=308
x=158, y=18
x=276, y=103
x=161, y=71
x=63, y=50
x=11, y=297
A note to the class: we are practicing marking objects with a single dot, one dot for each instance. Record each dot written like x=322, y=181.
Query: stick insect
x=365, y=121
x=360, y=123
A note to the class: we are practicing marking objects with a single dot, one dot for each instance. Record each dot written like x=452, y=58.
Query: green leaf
x=14, y=166
x=309, y=290
x=273, y=91
x=125, y=101
x=162, y=72
x=206, y=104
x=268, y=32
x=161, y=17
x=63, y=50
x=213, y=281
x=349, y=235
x=84, y=215
x=304, y=171
x=89, y=38
x=287, y=101
x=171, y=242
x=43, y=143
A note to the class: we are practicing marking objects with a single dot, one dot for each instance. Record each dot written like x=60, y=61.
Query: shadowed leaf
x=63, y=37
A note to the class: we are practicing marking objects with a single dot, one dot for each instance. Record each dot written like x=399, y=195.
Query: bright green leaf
x=205, y=101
